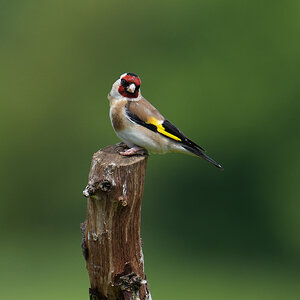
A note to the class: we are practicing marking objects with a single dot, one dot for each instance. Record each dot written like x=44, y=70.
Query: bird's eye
x=123, y=81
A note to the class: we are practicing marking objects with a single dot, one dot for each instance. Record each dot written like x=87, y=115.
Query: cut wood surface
x=112, y=243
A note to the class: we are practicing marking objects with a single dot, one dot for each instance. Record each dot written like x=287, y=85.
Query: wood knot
x=89, y=190
x=130, y=282
x=94, y=294
x=105, y=185
x=123, y=201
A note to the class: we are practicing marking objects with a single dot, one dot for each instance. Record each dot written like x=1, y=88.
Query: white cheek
x=114, y=94
x=115, y=89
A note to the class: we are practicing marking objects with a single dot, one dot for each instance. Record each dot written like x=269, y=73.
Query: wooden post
x=111, y=233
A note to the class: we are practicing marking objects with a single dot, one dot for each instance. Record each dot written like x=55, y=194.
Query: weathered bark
x=112, y=243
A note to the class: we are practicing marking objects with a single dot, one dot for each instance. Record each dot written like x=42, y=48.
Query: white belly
x=150, y=141
x=133, y=137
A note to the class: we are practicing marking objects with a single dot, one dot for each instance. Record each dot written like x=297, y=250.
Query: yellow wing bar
x=161, y=129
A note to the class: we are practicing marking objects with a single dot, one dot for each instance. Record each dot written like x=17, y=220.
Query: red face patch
x=132, y=79
x=126, y=81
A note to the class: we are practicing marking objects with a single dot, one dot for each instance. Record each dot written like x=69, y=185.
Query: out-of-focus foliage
x=225, y=72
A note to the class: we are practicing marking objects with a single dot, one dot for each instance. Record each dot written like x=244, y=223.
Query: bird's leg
x=133, y=151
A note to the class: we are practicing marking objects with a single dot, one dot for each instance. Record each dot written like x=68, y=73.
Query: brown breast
x=117, y=115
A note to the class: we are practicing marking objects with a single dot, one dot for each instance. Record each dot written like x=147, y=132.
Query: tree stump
x=111, y=233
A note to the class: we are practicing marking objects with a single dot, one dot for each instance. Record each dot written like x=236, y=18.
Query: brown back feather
x=143, y=109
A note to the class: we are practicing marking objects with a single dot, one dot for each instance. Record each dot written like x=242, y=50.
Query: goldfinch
x=141, y=126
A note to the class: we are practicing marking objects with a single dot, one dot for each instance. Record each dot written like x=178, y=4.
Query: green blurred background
x=225, y=72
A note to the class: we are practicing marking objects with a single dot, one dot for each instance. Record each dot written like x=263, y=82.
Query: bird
x=142, y=127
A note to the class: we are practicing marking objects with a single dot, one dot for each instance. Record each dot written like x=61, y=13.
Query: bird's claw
x=134, y=151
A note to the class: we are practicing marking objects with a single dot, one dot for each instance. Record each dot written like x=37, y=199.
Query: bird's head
x=128, y=85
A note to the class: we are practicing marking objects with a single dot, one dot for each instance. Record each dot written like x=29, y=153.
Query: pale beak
x=131, y=88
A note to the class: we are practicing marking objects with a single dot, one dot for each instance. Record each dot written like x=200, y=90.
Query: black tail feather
x=202, y=155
